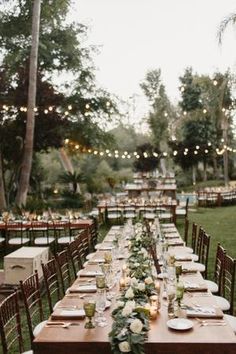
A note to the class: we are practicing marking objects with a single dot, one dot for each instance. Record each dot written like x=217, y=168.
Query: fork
x=211, y=322
x=61, y=324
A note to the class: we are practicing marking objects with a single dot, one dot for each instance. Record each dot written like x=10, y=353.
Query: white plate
x=180, y=324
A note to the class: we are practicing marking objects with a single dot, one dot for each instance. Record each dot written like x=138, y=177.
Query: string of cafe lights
x=75, y=147
x=51, y=108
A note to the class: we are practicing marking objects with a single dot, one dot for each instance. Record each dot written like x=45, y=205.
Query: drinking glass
x=89, y=309
x=171, y=300
x=179, y=292
x=100, y=307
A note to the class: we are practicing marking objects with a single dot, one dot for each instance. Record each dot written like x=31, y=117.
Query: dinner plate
x=180, y=324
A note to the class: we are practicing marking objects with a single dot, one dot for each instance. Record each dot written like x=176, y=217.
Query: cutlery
x=211, y=322
x=61, y=324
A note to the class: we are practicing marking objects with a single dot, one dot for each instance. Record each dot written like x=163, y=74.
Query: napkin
x=88, y=288
x=96, y=260
x=204, y=311
x=189, y=270
x=189, y=286
x=175, y=243
x=90, y=273
x=105, y=248
x=73, y=314
x=183, y=258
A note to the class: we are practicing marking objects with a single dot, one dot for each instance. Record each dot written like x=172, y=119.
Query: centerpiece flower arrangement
x=131, y=315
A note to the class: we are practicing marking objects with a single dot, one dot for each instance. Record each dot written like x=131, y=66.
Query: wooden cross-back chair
x=63, y=262
x=30, y=289
x=52, y=282
x=74, y=254
x=10, y=325
x=228, y=281
x=194, y=236
x=219, y=266
x=186, y=227
x=198, y=246
x=216, y=285
x=204, y=251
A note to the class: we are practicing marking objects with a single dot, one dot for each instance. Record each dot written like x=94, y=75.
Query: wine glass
x=89, y=308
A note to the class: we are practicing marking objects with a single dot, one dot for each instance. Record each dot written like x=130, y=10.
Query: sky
x=135, y=36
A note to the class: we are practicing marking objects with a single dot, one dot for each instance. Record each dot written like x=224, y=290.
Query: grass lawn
x=220, y=224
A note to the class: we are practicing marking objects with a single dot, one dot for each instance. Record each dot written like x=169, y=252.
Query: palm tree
x=231, y=19
x=72, y=179
x=30, y=123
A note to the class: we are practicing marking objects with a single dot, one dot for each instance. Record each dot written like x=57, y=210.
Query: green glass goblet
x=179, y=292
x=89, y=309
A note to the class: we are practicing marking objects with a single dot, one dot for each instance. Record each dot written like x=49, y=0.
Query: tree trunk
x=204, y=171
x=3, y=203
x=29, y=135
x=66, y=163
x=194, y=174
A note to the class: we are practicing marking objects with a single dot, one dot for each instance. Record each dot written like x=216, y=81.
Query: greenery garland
x=131, y=315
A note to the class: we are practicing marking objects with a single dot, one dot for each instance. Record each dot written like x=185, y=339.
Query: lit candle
x=122, y=283
x=153, y=312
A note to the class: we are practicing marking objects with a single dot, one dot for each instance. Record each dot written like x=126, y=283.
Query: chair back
x=204, y=253
x=31, y=295
x=52, y=283
x=186, y=227
x=10, y=325
x=63, y=262
x=194, y=236
x=74, y=255
x=219, y=266
x=229, y=281
x=198, y=247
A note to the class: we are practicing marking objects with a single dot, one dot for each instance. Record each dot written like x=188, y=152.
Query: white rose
x=148, y=280
x=141, y=287
x=134, y=282
x=124, y=347
x=131, y=303
x=129, y=294
x=127, y=310
x=136, y=326
x=120, y=304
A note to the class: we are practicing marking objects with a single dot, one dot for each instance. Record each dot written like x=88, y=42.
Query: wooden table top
x=161, y=339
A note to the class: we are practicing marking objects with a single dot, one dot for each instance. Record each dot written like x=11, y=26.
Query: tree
x=60, y=53
x=25, y=170
x=231, y=19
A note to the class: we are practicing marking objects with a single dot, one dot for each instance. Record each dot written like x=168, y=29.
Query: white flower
x=134, y=282
x=129, y=294
x=136, y=264
x=124, y=347
x=120, y=304
x=131, y=303
x=144, y=251
x=127, y=310
x=141, y=287
x=148, y=280
x=136, y=326
x=138, y=238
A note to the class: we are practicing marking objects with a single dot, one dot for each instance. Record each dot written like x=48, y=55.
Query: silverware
x=211, y=322
x=61, y=324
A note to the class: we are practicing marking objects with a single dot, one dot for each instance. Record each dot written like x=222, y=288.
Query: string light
x=128, y=155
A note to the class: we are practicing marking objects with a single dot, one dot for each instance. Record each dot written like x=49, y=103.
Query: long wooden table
x=161, y=339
